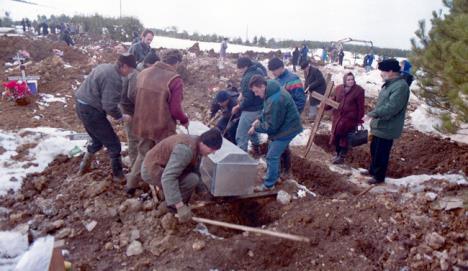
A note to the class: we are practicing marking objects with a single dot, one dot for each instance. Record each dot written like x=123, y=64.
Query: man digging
x=99, y=96
x=172, y=165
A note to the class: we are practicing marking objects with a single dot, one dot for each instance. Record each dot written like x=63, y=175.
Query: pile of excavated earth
x=349, y=227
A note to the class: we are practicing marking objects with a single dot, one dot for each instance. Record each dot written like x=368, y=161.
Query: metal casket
x=229, y=172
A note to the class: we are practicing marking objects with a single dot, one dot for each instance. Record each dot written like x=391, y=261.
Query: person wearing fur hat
x=158, y=108
x=388, y=118
x=173, y=166
x=99, y=96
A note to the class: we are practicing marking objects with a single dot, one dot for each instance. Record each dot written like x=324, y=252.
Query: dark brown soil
x=347, y=231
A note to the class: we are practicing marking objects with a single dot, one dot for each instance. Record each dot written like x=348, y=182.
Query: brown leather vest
x=152, y=118
x=159, y=155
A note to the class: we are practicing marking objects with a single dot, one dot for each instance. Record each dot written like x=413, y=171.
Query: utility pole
x=247, y=33
x=120, y=9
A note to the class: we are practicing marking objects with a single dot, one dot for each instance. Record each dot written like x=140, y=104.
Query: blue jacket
x=280, y=118
x=250, y=102
x=293, y=85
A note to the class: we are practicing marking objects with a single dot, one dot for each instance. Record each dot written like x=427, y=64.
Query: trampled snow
x=50, y=142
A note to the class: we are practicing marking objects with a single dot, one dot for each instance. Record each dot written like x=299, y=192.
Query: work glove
x=184, y=214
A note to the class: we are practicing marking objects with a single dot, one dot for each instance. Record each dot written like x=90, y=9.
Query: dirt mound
x=38, y=48
x=414, y=153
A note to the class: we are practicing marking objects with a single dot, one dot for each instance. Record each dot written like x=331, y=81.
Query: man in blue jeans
x=250, y=106
x=279, y=119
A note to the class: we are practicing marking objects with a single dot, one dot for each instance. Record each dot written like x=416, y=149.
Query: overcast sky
x=388, y=23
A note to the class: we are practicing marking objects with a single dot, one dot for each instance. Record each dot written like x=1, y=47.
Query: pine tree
x=441, y=60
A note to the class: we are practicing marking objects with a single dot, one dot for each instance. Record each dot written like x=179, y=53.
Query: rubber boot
x=85, y=164
x=117, y=172
x=340, y=157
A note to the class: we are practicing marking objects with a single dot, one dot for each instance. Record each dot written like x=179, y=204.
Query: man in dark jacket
x=295, y=58
x=158, y=107
x=303, y=57
x=293, y=85
x=143, y=47
x=314, y=81
x=388, y=118
x=173, y=166
x=225, y=100
x=280, y=120
x=250, y=105
x=99, y=96
x=127, y=104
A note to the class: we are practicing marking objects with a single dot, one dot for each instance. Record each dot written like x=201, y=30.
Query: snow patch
x=50, y=142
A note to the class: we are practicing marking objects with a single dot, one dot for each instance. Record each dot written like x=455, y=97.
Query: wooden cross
x=324, y=101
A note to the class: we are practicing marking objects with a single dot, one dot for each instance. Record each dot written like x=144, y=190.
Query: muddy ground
x=348, y=230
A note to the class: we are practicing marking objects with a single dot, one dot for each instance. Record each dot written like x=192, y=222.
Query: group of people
x=148, y=101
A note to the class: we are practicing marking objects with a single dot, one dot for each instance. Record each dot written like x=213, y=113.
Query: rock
x=148, y=205
x=434, y=240
x=96, y=188
x=63, y=233
x=39, y=183
x=420, y=220
x=161, y=210
x=158, y=246
x=108, y=246
x=198, y=245
x=91, y=225
x=16, y=217
x=250, y=253
x=168, y=222
x=46, y=206
x=135, y=248
x=430, y=196
x=448, y=203
x=58, y=224
x=283, y=197
x=134, y=235
x=124, y=239
x=130, y=205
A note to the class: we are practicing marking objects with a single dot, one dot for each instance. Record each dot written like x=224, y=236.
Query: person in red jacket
x=348, y=116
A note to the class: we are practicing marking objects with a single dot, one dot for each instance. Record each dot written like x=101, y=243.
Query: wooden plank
x=329, y=102
x=319, y=116
x=251, y=229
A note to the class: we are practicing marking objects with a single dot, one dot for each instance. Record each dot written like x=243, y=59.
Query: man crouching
x=173, y=165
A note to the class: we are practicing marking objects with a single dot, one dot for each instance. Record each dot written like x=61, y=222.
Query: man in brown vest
x=173, y=165
x=158, y=106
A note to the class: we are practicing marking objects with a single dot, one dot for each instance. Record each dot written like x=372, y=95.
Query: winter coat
x=279, y=118
x=139, y=50
x=102, y=90
x=127, y=100
x=388, y=116
x=160, y=155
x=349, y=113
x=226, y=112
x=304, y=55
x=250, y=102
x=295, y=56
x=314, y=81
x=154, y=115
x=293, y=85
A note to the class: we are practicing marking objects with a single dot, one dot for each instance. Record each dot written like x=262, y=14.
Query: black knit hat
x=151, y=58
x=275, y=63
x=305, y=63
x=212, y=138
x=222, y=96
x=172, y=56
x=127, y=59
x=389, y=65
x=243, y=62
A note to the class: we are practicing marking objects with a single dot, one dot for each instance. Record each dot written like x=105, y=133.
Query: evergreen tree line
x=262, y=41
x=117, y=28
x=440, y=57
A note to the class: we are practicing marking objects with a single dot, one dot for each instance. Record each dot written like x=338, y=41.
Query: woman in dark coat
x=348, y=116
